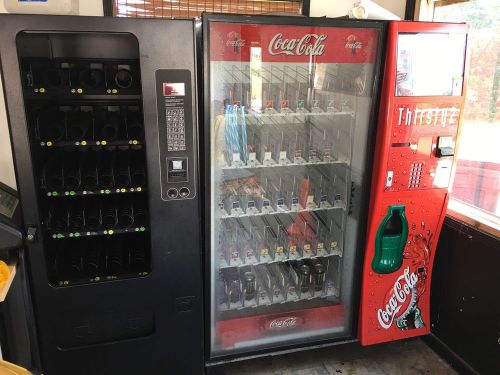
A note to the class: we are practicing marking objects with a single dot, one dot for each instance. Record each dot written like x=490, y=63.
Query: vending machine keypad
x=176, y=133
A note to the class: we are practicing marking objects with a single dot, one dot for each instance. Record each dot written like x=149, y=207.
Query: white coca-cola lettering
x=233, y=40
x=428, y=116
x=309, y=45
x=352, y=43
x=400, y=292
x=355, y=45
x=236, y=43
x=283, y=323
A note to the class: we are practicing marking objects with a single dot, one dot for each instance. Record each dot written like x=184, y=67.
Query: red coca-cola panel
x=414, y=158
x=252, y=328
x=291, y=44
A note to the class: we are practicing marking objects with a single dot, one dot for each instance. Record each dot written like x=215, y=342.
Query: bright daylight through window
x=476, y=189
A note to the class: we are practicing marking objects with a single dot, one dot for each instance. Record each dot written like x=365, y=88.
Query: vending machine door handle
x=390, y=241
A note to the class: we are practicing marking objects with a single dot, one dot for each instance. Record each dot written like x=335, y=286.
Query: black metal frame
x=410, y=10
x=465, y=310
x=306, y=7
x=218, y=361
x=108, y=7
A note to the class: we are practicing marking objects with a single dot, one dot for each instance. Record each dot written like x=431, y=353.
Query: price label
x=264, y=252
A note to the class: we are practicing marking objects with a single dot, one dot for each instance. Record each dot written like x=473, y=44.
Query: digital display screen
x=8, y=204
x=430, y=64
x=177, y=165
x=174, y=89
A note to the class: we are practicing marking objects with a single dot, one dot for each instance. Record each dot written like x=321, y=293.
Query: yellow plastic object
x=7, y=368
x=4, y=274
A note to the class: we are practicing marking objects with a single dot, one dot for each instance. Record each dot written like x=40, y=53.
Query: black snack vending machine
x=102, y=115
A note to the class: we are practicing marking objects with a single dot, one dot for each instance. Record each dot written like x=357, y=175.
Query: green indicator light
x=55, y=193
x=72, y=193
x=77, y=234
x=107, y=191
x=142, y=229
x=59, y=235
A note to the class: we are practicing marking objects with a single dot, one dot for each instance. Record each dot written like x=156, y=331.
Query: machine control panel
x=422, y=146
x=177, y=134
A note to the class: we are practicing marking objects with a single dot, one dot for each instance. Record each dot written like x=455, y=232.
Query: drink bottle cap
x=319, y=268
x=304, y=269
x=249, y=276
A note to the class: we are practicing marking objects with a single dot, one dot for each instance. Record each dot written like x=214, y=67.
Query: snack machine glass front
x=289, y=112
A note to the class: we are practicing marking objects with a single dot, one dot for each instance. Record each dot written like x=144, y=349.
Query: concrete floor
x=401, y=357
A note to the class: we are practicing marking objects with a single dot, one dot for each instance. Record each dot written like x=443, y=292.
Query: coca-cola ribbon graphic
x=401, y=303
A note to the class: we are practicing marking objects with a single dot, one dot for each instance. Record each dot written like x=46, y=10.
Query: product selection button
x=184, y=192
x=172, y=193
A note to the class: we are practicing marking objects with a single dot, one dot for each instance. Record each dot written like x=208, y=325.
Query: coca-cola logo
x=352, y=43
x=401, y=295
x=284, y=323
x=309, y=45
x=233, y=40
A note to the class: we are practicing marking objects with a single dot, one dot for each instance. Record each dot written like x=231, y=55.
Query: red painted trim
x=425, y=207
x=252, y=328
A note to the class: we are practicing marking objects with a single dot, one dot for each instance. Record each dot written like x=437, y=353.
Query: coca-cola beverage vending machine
x=288, y=135
x=421, y=107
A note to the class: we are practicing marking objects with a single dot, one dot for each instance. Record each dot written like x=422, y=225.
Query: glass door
x=290, y=111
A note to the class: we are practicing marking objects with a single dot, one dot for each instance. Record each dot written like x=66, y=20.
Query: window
x=476, y=188
x=194, y=8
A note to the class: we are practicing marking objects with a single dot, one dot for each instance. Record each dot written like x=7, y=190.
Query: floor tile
x=361, y=366
x=411, y=357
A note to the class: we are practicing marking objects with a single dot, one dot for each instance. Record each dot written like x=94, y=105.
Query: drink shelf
x=334, y=252
x=297, y=114
x=223, y=214
x=288, y=164
x=77, y=193
x=314, y=297
x=101, y=278
x=277, y=307
x=91, y=143
x=107, y=232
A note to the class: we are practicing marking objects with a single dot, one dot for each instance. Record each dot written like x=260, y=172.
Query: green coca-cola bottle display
x=390, y=241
